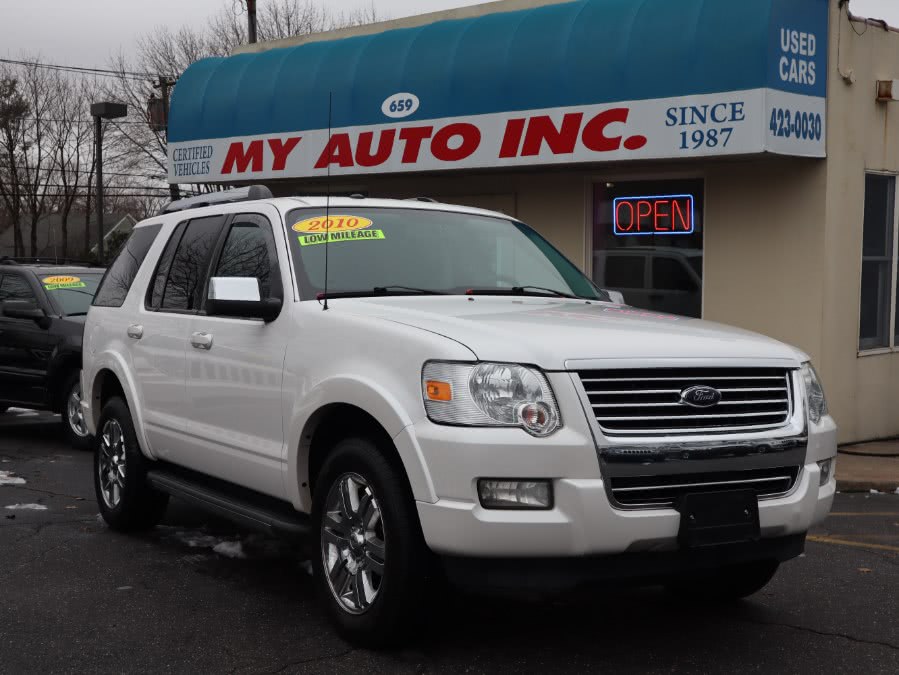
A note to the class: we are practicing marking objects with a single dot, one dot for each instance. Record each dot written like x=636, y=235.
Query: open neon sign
x=659, y=215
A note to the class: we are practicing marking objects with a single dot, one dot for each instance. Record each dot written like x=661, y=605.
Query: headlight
x=814, y=393
x=490, y=395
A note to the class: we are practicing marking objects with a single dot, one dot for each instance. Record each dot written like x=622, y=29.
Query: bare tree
x=13, y=110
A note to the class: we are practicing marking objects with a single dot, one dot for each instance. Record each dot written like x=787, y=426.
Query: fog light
x=826, y=467
x=515, y=494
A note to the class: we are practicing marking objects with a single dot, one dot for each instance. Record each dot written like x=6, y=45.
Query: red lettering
x=471, y=139
x=594, y=135
x=364, y=156
x=512, y=138
x=281, y=150
x=413, y=139
x=643, y=214
x=684, y=217
x=241, y=158
x=338, y=151
x=658, y=214
x=618, y=222
x=560, y=141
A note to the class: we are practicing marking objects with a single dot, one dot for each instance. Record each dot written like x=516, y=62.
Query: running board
x=240, y=505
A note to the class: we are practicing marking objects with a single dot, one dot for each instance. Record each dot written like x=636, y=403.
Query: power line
x=76, y=120
x=82, y=70
x=160, y=176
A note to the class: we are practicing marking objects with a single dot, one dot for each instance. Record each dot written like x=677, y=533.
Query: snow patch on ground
x=306, y=566
x=896, y=491
x=875, y=492
x=229, y=549
x=26, y=507
x=7, y=478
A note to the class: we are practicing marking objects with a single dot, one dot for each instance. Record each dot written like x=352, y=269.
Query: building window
x=878, y=321
x=647, y=243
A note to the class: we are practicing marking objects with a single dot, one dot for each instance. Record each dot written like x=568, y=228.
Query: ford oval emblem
x=700, y=396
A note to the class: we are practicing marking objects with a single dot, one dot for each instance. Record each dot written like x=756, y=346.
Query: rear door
x=159, y=339
x=25, y=347
x=235, y=367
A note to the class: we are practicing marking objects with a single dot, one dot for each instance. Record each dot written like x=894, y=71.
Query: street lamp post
x=100, y=112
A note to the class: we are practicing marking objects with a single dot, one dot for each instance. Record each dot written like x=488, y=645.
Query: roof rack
x=244, y=194
x=422, y=199
x=48, y=261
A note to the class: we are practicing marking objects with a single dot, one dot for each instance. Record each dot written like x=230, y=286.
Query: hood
x=555, y=332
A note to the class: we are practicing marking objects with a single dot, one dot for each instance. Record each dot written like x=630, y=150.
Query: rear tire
x=126, y=501
x=733, y=582
x=73, y=425
x=370, y=563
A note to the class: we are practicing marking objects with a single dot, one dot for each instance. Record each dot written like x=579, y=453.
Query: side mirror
x=616, y=296
x=239, y=297
x=25, y=309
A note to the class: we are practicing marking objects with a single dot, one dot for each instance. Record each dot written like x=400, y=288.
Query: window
x=248, y=252
x=15, y=287
x=121, y=273
x=187, y=274
x=438, y=251
x=76, y=299
x=878, y=264
x=658, y=224
x=671, y=274
x=154, y=296
x=625, y=271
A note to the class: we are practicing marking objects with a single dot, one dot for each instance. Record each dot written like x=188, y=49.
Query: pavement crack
x=824, y=633
x=50, y=492
x=314, y=659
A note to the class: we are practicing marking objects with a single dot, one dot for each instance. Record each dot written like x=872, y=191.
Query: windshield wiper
x=535, y=291
x=379, y=291
x=77, y=314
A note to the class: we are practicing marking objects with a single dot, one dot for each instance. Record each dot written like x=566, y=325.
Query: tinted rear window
x=121, y=273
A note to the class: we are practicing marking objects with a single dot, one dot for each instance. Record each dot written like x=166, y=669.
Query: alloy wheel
x=74, y=413
x=353, y=543
x=111, y=464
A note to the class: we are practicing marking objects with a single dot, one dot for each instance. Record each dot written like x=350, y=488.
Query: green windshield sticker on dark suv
x=336, y=237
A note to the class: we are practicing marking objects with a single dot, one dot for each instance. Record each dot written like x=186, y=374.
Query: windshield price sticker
x=335, y=229
x=62, y=282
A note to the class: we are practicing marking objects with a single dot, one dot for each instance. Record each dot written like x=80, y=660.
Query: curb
x=867, y=486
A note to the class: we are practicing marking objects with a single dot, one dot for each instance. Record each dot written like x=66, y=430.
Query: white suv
x=428, y=388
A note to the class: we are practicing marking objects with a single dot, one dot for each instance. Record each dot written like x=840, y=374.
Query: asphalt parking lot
x=199, y=595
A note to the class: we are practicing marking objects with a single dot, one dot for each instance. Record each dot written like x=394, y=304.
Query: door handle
x=135, y=331
x=201, y=340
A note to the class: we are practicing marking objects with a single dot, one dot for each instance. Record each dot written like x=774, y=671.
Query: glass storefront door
x=647, y=243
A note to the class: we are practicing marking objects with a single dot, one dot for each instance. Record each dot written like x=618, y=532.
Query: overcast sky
x=86, y=32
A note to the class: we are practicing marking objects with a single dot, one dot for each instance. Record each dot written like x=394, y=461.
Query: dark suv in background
x=42, y=312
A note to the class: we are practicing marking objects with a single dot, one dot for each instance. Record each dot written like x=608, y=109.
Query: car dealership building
x=729, y=160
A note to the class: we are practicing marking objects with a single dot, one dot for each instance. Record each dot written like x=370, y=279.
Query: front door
x=160, y=338
x=25, y=347
x=235, y=369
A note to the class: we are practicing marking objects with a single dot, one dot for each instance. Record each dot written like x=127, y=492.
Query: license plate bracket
x=716, y=518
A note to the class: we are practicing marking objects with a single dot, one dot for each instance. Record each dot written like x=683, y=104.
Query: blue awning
x=585, y=52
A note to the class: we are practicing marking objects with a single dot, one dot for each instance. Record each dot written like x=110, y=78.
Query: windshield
x=408, y=251
x=72, y=292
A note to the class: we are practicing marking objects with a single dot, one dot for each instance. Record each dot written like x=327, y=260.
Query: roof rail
x=422, y=199
x=244, y=194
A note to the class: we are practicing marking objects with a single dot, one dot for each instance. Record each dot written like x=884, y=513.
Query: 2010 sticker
x=321, y=224
x=62, y=282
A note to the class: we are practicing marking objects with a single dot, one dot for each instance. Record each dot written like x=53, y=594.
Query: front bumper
x=583, y=520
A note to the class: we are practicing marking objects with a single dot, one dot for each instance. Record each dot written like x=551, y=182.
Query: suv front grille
x=661, y=491
x=648, y=401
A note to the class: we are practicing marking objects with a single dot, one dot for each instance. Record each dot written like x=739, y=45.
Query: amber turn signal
x=438, y=391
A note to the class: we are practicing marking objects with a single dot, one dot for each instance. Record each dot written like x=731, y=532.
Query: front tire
x=370, y=567
x=127, y=503
x=733, y=582
x=74, y=427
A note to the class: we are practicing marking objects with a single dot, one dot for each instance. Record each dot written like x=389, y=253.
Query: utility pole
x=100, y=112
x=251, y=21
x=159, y=120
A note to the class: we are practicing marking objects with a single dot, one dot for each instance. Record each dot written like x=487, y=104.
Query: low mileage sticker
x=61, y=282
